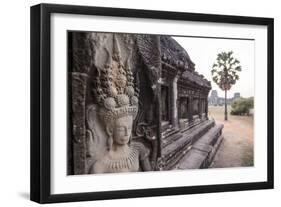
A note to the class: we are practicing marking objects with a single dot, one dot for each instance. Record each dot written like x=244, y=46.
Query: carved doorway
x=184, y=104
x=196, y=106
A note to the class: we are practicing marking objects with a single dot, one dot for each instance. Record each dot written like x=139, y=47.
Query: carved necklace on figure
x=125, y=162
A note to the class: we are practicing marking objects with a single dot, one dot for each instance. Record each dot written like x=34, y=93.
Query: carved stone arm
x=145, y=164
x=143, y=156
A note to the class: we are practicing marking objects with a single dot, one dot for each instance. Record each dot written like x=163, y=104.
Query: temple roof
x=196, y=78
x=174, y=54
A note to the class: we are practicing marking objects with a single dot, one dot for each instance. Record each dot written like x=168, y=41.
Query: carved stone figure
x=116, y=110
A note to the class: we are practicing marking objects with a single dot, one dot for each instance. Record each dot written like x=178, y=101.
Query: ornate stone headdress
x=114, y=89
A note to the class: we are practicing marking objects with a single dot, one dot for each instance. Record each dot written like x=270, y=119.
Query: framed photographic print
x=133, y=103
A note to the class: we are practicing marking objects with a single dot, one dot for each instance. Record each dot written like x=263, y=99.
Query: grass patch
x=248, y=160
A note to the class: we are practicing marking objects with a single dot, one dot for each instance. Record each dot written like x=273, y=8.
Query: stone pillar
x=203, y=106
x=206, y=107
x=200, y=111
x=78, y=97
x=190, y=110
x=174, y=118
x=80, y=67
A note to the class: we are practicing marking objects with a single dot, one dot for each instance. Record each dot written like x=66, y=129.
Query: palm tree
x=225, y=73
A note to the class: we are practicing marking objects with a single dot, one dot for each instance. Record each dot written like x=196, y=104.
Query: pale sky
x=203, y=52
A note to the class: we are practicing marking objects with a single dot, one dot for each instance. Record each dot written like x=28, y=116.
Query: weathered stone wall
x=87, y=55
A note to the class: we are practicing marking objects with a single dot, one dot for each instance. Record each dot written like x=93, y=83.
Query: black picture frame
x=41, y=96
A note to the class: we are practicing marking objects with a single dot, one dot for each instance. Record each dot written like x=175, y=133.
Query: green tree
x=225, y=73
x=242, y=106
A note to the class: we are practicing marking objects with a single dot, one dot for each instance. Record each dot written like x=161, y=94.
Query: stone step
x=202, y=152
x=166, y=125
x=191, y=125
x=172, y=138
x=169, y=132
x=208, y=137
x=173, y=158
x=186, y=139
x=204, y=126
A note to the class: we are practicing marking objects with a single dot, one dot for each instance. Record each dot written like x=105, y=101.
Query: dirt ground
x=236, y=149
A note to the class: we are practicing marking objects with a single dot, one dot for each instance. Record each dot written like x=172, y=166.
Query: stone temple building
x=215, y=100
x=171, y=128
